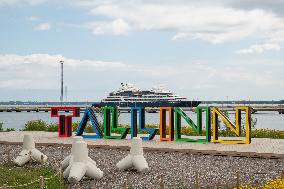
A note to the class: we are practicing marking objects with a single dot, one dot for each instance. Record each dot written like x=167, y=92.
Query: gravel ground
x=177, y=169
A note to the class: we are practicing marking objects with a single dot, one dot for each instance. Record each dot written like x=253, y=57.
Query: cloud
x=275, y=6
x=20, y=2
x=53, y=61
x=43, y=27
x=213, y=23
x=216, y=22
x=95, y=78
x=33, y=18
x=116, y=27
x=260, y=48
x=41, y=71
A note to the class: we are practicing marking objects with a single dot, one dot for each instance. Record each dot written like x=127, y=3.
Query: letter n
x=197, y=128
x=234, y=128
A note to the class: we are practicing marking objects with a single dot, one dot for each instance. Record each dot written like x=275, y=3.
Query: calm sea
x=17, y=120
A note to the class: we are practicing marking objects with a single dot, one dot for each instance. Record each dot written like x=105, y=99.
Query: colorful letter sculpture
x=163, y=123
x=80, y=164
x=179, y=113
x=29, y=152
x=170, y=124
x=135, y=159
x=90, y=115
x=134, y=130
x=234, y=128
x=65, y=121
x=111, y=124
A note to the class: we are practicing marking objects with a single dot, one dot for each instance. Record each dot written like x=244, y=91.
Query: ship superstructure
x=128, y=95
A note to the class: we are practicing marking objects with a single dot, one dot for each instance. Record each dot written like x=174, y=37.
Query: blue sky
x=202, y=50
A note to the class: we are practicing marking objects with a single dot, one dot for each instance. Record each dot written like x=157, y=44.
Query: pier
x=229, y=108
x=33, y=109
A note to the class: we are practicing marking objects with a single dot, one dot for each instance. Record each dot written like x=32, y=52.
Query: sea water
x=17, y=120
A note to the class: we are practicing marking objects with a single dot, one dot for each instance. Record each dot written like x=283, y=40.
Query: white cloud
x=116, y=27
x=216, y=22
x=259, y=48
x=53, y=61
x=33, y=18
x=20, y=2
x=194, y=80
x=41, y=71
x=203, y=20
x=43, y=27
x=213, y=23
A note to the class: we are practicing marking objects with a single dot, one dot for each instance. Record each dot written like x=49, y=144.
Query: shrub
x=36, y=125
x=267, y=133
x=7, y=130
x=10, y=129
x=75, y=125
x=89, y=129
x=53, y=127
x=40, y=125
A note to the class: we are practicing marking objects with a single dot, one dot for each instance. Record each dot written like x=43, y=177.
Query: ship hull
x=149, y=104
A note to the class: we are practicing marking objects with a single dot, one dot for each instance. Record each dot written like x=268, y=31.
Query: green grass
x=13, y=176
x=40, y=125
x=267, y=133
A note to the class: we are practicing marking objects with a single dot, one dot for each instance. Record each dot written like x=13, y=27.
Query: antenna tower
x=61, y=94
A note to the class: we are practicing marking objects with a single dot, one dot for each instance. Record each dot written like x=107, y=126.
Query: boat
x=128, y=95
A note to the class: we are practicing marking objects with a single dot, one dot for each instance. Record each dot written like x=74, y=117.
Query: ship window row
x=129, y=100
x=143, y=98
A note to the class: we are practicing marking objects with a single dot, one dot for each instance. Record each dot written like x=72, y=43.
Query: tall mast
x=65, y=93
x=61, y=96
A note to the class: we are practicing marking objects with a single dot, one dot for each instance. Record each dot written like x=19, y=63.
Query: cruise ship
x=129, y=95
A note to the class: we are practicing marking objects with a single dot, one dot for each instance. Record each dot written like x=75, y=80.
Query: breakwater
x=255, y=108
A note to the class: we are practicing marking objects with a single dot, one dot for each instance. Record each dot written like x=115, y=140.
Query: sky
x=202, y=50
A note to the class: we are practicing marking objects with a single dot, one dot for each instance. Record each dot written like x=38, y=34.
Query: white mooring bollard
x=79, y=163
x=29, y=152
x=135, y=158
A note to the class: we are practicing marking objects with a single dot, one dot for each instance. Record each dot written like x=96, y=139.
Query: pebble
x=178, y=170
